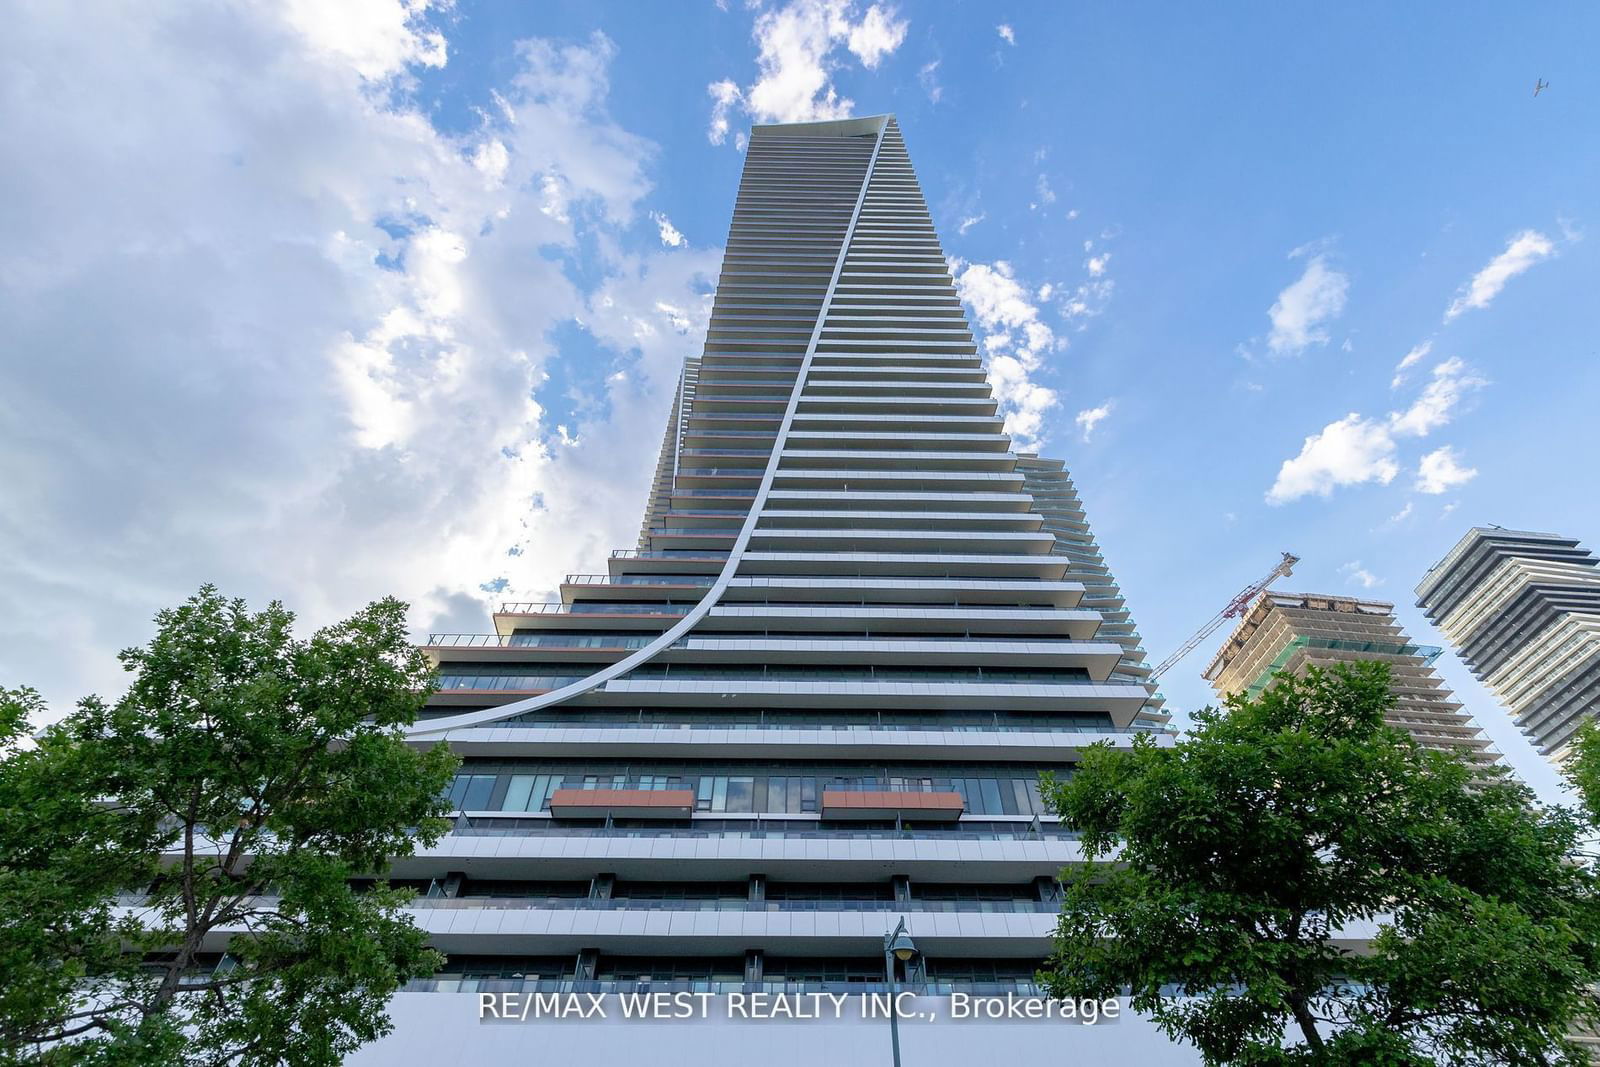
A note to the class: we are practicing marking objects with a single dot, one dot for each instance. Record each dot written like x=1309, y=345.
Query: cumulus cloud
x=1411, y=359
x=1360, y=575
x=970, y=221
x=295, y=339
x=1522, y=251
x=1007, y=34
x=1357, y=449
x=1347, y=452
x=798, y=48
x=1302, y=311
x=1015, y=340
x=928, y=78
x=670, y=235
x=1441, y=470
x=875, y=36
x=725, y=96
x=1452, y=380
x=1089, y=418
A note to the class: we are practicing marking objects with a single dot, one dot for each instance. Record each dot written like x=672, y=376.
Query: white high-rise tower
x=818, y=693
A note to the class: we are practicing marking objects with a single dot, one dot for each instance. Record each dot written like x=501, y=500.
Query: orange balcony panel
x=864, y=804
x=622, y=803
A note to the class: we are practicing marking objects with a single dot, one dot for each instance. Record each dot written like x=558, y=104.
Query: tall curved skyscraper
x=817, y=695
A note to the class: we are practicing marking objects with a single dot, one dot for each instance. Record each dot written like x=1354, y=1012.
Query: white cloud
x=970, y=221
x=1452, y=380
x=1411, y=359
x=670, y=235
x=725, y=96
x=1097, y=264
x=1089, y=418
x=1402, y=514
x=1007, y=34
x=1302, y=311
x=1347, y=452
x=876, y=35
x=1360, y=575
x=1440, y=471
x=1042, y=189
x=1045, y=290
x=796, y=54
x=928, y=78
x=1358, y=449
x=1522, y=251
x=1016, y=341
x=377, y=38
x=295, y=337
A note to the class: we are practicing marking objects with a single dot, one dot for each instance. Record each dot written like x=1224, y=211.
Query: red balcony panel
x=622, y=803
x=867, y=804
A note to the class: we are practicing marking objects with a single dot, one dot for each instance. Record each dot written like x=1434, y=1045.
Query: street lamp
x=897, y=945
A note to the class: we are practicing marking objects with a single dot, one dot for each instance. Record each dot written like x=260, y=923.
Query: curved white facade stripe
x=439, y=728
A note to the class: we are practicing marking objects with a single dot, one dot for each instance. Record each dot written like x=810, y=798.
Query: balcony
x=622, y=803
x=890, y=804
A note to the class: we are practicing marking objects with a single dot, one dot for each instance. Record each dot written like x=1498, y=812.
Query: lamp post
x=897, y=945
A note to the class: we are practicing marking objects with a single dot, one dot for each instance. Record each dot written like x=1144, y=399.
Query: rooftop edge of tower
x=1471, y=539
x=852, y=127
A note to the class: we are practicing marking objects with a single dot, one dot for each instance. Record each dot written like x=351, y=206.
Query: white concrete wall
x=443, y=1030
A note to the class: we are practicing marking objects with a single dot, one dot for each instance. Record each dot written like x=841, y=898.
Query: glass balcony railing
x=470, y=827
x=737, y=904
x=539, y=640
x=669, y=553
x=592, y=608
x=936, y=987
x=600, y=723
x=639, y=579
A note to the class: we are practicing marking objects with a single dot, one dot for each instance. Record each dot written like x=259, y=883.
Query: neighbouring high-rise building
x=814, y=698
x=1523, y=611
x=1288, y=632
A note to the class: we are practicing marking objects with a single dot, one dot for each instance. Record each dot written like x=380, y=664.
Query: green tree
x=1296, y=883
x=239, y=786
x=1583, y=769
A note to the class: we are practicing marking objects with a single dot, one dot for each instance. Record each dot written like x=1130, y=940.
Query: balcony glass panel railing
x=740, y=904
x=768, y=673
x=444, y=983
x=639, y=579
x=713, y=492
x=516, y=682
x=594, y=607
x=532, y=640
x=668, y=720
x=755, y=830
x=668, y=553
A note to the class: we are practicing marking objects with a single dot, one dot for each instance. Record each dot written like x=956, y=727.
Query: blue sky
x=326, y=302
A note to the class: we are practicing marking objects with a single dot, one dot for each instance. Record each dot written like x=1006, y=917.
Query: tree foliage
x=1297, y=883
x=226, y=801
x=1583, y=769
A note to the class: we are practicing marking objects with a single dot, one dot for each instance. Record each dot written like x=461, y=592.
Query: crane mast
x=1235, y=608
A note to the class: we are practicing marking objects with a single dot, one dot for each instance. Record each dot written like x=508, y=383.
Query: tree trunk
x=1308, y=1025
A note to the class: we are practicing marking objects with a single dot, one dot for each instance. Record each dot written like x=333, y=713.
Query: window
x=471, y=792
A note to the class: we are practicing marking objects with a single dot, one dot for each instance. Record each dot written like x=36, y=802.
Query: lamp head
x=903, y=947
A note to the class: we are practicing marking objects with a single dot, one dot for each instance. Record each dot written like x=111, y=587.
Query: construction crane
x=1235, y=608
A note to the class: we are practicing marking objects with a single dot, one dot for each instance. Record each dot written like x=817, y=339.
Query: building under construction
x=1290, y=631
